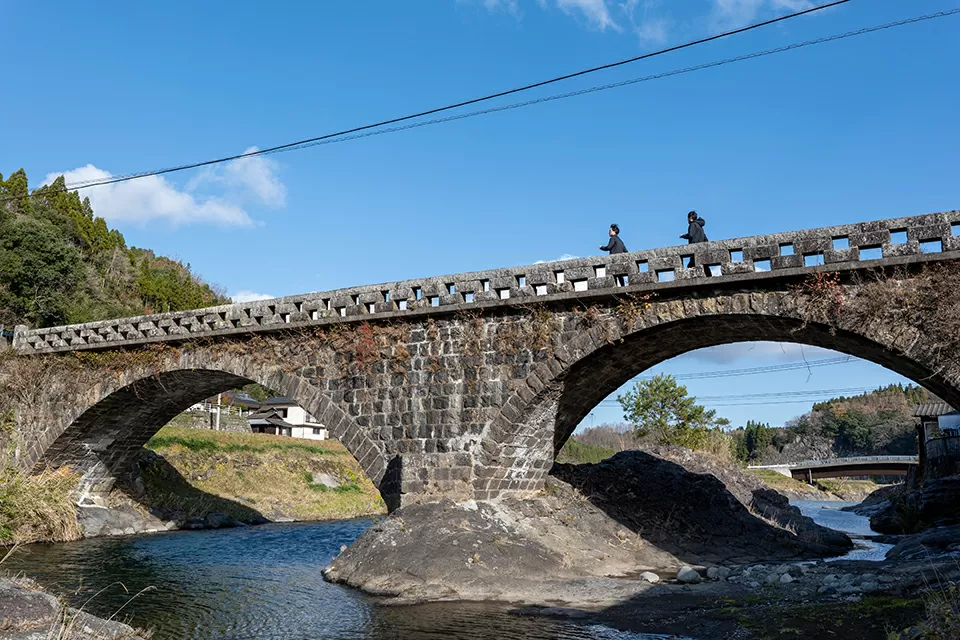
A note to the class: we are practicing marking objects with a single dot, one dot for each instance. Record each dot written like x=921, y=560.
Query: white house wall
x=307, y=433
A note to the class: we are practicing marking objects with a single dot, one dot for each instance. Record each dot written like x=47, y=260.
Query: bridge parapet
x=847, y=247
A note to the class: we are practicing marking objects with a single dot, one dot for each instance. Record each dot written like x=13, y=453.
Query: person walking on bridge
x=695, y=235
x=615, y=245
x=695, y=226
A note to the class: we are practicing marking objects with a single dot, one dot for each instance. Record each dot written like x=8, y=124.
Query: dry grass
x=789, y=527
x=846, y=488
x=270, y=474
x=942, y=621
x=38, y=507
x=779, y=482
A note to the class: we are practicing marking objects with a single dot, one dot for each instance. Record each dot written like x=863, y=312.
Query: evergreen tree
x=661, y=408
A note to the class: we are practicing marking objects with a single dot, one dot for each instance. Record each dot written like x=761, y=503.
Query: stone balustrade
x=854, y=246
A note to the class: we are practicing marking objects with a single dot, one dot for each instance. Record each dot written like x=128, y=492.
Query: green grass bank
x=278, y=477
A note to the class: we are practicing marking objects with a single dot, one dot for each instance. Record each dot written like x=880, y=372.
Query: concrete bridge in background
x=467, y=385
x=810, y=470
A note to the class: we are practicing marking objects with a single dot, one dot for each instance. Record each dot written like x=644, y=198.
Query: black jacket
x=695, y=232
x=614, y=246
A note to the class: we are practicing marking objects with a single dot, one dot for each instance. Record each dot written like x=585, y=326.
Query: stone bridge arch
x=544, y=409
x=100, y=432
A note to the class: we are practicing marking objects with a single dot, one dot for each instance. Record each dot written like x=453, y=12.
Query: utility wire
x=310, y=141
x=333, y=138
x=778, y=395
x=615, y=85
x=773, y=368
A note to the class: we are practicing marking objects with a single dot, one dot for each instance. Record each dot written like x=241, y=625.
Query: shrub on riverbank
x=238, y=473
x=38, y=507
x=576, y=452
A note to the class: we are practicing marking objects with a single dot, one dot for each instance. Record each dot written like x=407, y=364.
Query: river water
x=264, y=582
x=857, y=527
x=260, y=582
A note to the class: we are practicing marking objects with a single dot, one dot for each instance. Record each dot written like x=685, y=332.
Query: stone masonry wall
x=463, y=400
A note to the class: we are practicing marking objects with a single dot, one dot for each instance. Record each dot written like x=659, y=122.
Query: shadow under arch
x=104, y=440
x=598, y=374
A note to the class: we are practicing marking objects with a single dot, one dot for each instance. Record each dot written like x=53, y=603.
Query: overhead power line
x=773, y=368
x=372, y=130
x=782, y=394
x=771, y=398
x=813, y=393
x=500, y=94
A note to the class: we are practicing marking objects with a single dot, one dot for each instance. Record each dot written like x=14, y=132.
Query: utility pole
x=217, y=428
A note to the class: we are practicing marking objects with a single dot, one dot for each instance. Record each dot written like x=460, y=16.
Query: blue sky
x=859, y=129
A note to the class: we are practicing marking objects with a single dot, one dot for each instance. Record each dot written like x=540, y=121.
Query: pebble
x=718, y=573
x=649, y=576
x=786, y=578
x=688, y=575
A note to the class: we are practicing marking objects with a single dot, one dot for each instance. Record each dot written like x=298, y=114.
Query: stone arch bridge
x=466, y=386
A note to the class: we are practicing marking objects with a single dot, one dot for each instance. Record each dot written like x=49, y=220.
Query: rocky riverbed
x=663, y=541
x=657, y=511
x=29, y=613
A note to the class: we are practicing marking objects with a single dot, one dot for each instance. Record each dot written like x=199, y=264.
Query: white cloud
x=253, y=177
x=738, y=12
x=771, y=351
x=226, y=189
x=565, y=256
x=653, y=31
x=596, y=12
x=510, y=6
x=653, y=22
x=151, y=198
x=249, y=296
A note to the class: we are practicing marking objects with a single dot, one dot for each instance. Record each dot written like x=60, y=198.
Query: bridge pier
x=466, y=386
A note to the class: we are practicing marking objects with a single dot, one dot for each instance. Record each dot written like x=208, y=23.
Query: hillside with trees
x=659, y=411
x=61, y=264
x=880, y=422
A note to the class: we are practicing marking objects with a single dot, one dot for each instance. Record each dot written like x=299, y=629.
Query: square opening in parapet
x=665, y=275
x=813, y=259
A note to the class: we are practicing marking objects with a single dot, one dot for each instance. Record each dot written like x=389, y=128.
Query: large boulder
x=28, y=613
x=23, y=609
x=687, y=502
x=632, y=513
x=929, y=543
x=937, y=504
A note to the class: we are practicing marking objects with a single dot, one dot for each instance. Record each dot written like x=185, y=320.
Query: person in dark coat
x=616, y=244
x=695, y=235
x=695, y=226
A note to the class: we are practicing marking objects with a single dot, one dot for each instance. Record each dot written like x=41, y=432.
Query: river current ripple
x=260, y=583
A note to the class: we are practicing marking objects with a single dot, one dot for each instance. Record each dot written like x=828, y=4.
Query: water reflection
x=260, y=582
x=857, y=527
